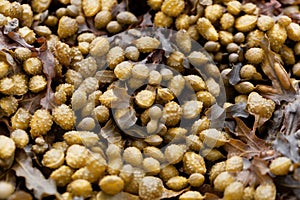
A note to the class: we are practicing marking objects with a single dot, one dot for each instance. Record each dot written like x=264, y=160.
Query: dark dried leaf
x=119, y=8
x=237, y=110
x=289, y=183
x=122, y=39
x=291, y=122
x=9, y=177
x=249, y=137
x=164, y=36
x=248, y=144
x=229, y=126
x=31, y=102
x=275, y=123
x=83, y=27
x=209, y=192
x=44, y=54
x=287, y=146
x=271, y=8
x=172, y=194
x=296, y=174
x=42, y=17
x=247, y=177
x=210, y=196
x=48, y=101
x=7, y=129
x=260, y=165
x=286, y=141
x=17, y=38
x=5, y=43
x=216, y=116
x=49, y=70
x=6, y=56
x=287, y=196
x=89, y=26
x=282, y=92
x=20, y=195
x=295, y=17
x=255, y=150
x=34, y=179
x=257, y=173
x=236, y=147
x=290, y=2
x=156, y=57
x=146, y=20
x=47, y=58
x=234, y=75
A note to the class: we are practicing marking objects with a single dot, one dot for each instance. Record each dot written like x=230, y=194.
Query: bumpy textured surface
x=40, y=123
x=191, y=98
x=150, y=188
x=64, y=116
